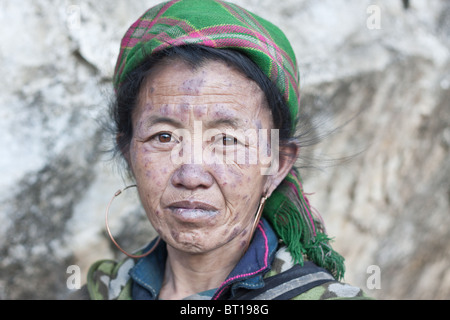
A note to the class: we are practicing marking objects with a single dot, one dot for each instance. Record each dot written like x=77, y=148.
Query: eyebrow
x=153, y=120
x=235, y=123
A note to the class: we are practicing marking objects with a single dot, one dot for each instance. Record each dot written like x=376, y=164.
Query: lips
x=191, y=211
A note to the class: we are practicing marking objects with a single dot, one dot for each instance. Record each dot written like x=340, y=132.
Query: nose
x=192, y=176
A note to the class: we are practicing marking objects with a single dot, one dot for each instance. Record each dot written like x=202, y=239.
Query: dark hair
x=194, y=55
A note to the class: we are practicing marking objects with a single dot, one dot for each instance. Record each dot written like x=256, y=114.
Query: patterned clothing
x=265, y=272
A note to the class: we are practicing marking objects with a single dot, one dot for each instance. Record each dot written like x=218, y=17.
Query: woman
x=206, y=112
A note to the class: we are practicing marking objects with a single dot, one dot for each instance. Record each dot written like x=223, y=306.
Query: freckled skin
x=193, y=85
x=210, y=93
x=200, y=111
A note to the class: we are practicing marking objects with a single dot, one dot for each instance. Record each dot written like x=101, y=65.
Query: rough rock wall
x=384, y=67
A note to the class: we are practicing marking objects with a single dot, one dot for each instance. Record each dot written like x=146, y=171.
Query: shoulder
x=287, y=280
x=110, y=280
x=333, y=291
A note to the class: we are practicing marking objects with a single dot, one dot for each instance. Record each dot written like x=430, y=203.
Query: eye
x=229, y=140
x=164, y=137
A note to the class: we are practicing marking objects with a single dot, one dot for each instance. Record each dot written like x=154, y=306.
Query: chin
x=195, y=241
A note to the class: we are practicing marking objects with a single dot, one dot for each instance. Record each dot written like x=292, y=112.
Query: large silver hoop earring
x=118, y=192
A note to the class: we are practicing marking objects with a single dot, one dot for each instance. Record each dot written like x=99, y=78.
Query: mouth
x=191, y=211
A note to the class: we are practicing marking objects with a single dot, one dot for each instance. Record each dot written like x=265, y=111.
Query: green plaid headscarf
x=221, y=24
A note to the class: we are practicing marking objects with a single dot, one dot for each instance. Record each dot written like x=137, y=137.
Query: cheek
x=242, y=188
x=151, y=174
x=246, y=179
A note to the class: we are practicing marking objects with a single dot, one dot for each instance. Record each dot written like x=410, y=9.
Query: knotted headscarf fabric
x=220, y=24
x=216, y=24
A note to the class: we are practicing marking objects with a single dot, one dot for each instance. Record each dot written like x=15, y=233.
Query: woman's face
x=192, y=154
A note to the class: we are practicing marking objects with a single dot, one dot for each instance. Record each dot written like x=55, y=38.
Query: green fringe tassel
x=289, y=212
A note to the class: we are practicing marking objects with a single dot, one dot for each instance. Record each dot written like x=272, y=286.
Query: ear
x=287, y=156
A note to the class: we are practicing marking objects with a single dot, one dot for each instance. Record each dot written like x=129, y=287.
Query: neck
x=188, y=273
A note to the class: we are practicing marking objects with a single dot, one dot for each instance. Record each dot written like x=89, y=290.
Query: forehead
x=211, y=92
